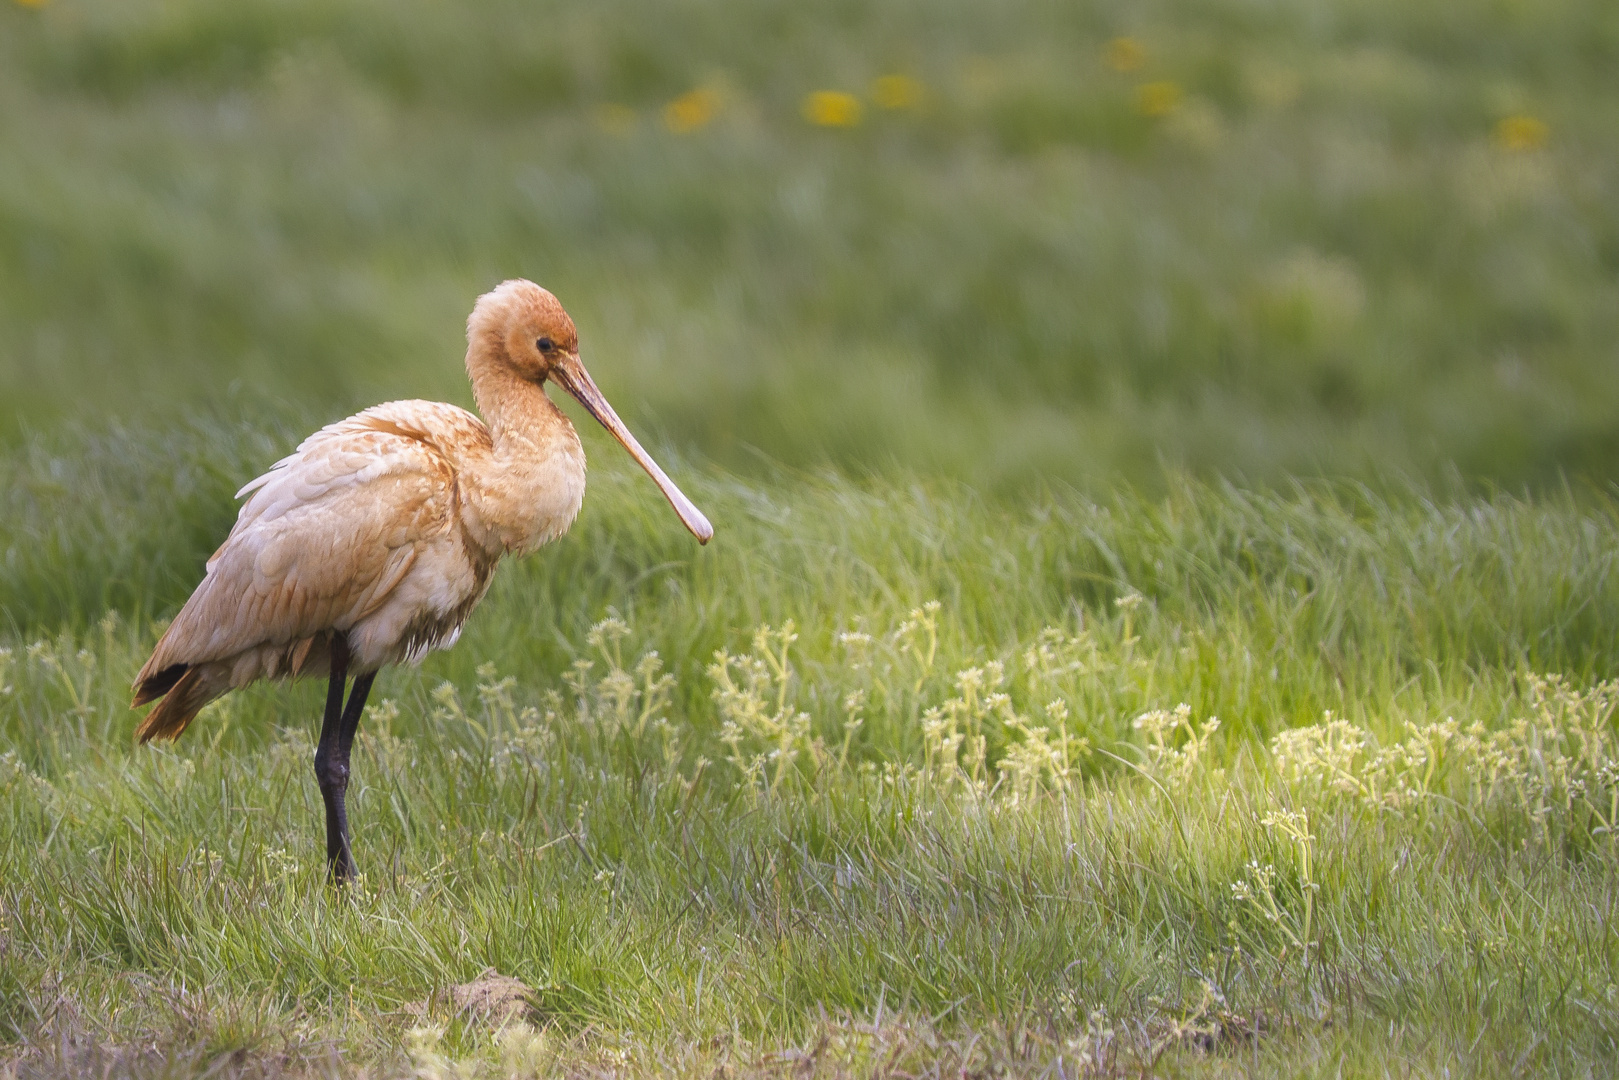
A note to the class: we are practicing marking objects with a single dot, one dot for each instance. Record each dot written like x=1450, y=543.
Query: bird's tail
x=184, y=693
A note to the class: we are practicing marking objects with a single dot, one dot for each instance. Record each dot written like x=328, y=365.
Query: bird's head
x=540, y=343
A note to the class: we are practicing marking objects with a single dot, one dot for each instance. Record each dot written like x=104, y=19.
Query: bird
x=372, y=542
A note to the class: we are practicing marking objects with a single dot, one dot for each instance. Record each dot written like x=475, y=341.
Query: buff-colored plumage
x=386, y=527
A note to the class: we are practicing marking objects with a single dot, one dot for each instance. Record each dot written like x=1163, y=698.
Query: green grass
x=1320, y=263
x=1299, y=398
x=666, y=907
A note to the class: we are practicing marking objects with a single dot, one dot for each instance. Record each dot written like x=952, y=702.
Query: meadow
x=1161, y=619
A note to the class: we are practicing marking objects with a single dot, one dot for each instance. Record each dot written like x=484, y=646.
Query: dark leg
x=343, y=865
x=332, y=758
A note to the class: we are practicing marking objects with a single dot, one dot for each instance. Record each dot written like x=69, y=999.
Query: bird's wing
x=325, y=535
x=381, y=441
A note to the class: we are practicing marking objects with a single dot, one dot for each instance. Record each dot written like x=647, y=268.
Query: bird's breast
x=528, y=500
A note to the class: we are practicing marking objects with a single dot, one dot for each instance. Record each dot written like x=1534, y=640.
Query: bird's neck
x=529, y=489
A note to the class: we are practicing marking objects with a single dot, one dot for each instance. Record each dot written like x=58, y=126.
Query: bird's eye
x=546, y=344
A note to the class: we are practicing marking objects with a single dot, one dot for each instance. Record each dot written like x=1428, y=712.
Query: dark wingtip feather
x=155, y=686
x=185, y=699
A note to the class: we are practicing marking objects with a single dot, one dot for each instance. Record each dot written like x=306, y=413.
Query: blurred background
x=1013, y=243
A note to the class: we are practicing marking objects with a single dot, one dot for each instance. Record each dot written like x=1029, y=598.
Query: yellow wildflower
x=897, y=92
x=691, y=111
x=1125, y=54
x=1158, y=98
x=832, y=108
x=1519, y=133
